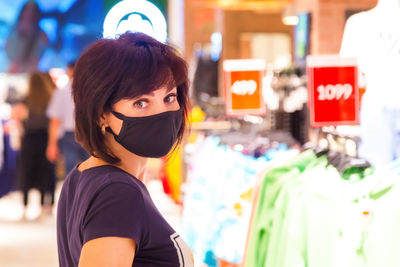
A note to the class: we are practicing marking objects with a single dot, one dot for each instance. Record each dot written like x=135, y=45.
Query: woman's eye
x=171, y=98
x=140, y=104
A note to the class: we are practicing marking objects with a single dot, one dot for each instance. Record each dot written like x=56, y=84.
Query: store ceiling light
x=290, y=16
x=290, y=20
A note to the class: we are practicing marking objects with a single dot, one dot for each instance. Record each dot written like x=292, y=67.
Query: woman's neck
x=133, y=165
x=129, y=162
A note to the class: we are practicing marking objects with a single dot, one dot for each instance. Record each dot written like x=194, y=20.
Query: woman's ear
x=103, y=123
x=103, y=119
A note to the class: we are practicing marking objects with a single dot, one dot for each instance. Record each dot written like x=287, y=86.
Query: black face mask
x=151, y=136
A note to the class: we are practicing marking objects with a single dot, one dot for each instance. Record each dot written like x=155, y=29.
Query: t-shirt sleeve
x=117, y=210
x=55, y=109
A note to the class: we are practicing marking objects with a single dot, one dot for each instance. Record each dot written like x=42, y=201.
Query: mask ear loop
x=119, y=115
x=108, y=129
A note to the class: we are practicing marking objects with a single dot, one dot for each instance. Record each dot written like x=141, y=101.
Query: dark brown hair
x=124, y=68
x=40, y=90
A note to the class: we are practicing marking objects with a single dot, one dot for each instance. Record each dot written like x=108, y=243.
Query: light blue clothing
x=62, y=107
x=216, y=217
x=379, y=132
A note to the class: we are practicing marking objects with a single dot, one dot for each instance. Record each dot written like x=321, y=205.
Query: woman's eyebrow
x=171, y=89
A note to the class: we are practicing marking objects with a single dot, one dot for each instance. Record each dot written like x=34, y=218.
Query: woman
x=131, y=101
x=35, y=171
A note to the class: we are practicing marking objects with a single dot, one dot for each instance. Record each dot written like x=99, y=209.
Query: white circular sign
x=135, y=16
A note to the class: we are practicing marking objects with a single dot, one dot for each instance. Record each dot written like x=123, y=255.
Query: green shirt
x=263, y=218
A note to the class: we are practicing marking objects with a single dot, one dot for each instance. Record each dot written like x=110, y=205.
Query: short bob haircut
x=124, y=68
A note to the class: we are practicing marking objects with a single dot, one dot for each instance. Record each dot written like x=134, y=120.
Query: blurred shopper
x=131, y=101
x=35, y=171
x=61, y=130
x=26, y=42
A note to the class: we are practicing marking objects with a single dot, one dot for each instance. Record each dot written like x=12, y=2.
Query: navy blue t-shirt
x=106, y=201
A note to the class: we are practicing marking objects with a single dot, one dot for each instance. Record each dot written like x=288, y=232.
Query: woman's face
x=159, y=101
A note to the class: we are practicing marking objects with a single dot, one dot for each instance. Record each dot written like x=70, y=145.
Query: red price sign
x=243, y=87
x=333, y=91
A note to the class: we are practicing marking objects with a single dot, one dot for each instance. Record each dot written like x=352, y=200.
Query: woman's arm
x=108, y=251
x=52, y=150
x=19, y=112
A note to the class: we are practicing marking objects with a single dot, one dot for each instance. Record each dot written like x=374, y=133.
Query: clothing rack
x=340, y=148
x=338, y=141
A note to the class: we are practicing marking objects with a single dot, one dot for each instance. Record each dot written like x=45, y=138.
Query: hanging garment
x=217, y=203
x=260, y=230
x=317, y=216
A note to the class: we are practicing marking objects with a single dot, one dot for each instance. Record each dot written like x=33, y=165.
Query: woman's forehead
x=162, y=90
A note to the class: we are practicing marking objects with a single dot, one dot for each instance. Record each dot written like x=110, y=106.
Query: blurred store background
x=292, y=157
